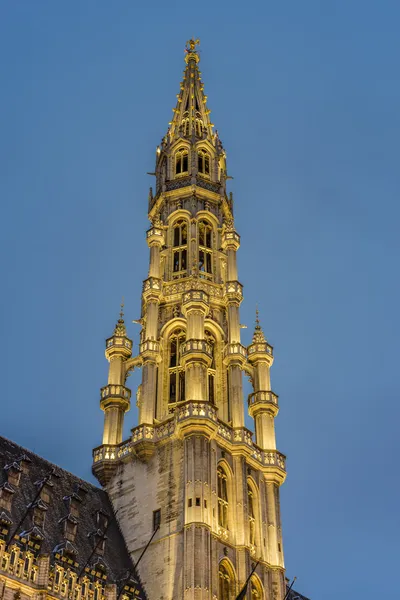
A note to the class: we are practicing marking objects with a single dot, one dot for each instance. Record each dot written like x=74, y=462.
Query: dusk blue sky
x=305, y=96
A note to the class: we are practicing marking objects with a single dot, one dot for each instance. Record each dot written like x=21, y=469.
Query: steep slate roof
x=116, y=558
x=293, y=595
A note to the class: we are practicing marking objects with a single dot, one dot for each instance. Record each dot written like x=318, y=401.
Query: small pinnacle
x=121, y=312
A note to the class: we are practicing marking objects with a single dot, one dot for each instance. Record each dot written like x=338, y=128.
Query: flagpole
x=244, y=589
x=291, y=585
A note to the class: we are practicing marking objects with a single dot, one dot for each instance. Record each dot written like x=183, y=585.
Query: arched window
x=251, y=515
x=226, y=582
x=181, y=161
x=256, y=589
x=199, y=128
x=210, y=339
x=223, y=500
x=179, y=254
x=203, y=162
x=175, y=371
x=185, y=125
x=205, y=249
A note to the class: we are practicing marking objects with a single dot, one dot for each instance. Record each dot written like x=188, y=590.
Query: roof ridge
x=2, y=437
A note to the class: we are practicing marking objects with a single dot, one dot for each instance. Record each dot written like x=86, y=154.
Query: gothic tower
x=190, y=466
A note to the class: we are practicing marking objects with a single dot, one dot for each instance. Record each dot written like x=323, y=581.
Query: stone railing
x=260, y=347
x=115, y=390
x=194, y=345
x=178, y=183
x=262, y=396
x=122, y=342
x=170, y=288
x=105, y=453
x=201, y=410
x=152, y=284
x=235, y=350
x=195, y=296
x=190, y=410
x=235, y=288
x=149, y=346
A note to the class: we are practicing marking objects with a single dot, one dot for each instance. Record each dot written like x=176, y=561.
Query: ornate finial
x=120, y=328
x=190, y=50
x=258, y=335
x=191, y=45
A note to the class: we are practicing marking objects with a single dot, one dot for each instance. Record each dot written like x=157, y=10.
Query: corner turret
x=115, y=397
x=263, y=403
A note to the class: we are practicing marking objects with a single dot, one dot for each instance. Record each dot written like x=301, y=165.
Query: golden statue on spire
x=191, y=45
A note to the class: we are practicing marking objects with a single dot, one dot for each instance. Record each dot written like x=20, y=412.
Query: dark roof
x=293, y=595
x=62, y=485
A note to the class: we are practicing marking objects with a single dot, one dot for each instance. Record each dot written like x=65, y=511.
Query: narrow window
x=251, y=516
x=203, y=162
x=205, y=249
x=222, y=498
x=179, y=255
x=176, y=372
x=181, y=161
x=156, y=519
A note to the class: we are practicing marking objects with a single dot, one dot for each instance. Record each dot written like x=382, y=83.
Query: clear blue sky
x=306, y=97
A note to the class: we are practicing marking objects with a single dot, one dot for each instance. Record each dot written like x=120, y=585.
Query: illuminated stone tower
x=190, y=465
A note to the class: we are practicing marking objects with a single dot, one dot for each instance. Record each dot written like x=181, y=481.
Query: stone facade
x=190, y=465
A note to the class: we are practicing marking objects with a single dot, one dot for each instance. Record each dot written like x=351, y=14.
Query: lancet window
x=203, y=162
x=222, y=498
x=181, y=161
x=256, y=589
x=185, y=125
x=226, y=583
x=199, y=128
x=251, y=515
x=179, y=254
x=205, y=249
x=211, y=371
x=176, y=372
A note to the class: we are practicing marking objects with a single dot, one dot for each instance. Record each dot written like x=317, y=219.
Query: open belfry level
x=192, y=494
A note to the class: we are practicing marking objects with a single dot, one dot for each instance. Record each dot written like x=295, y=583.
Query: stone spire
x=191, y=115
x=120, y=329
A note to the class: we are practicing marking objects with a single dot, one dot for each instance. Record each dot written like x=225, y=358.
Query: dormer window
x=70, y=529
x=181, y=161
x=101, y=520
x=45, y=493
x=204, y=162
x=6, y=493
x=74, y=507
x=13, y=473
x=39, y=516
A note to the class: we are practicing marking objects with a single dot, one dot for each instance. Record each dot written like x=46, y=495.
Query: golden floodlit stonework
x=191, y=466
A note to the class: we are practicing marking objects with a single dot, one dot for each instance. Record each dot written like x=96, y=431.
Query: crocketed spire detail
x=120, y=329
x=258, y=335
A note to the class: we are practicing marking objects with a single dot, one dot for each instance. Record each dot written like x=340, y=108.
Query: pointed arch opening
x=211, y=372
x=256, y=589
x=176, y=373
x=181, y=161
x=205, y=249
x=227, y=581
x=253, y=515
x=223, y=494
x=203, y=162
x=179, y=244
